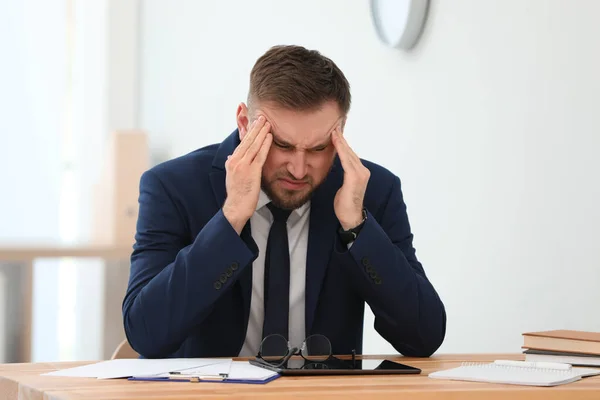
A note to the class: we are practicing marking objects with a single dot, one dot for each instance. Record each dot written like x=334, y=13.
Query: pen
x=531, y=364
x=178, y=376
x=196, y=378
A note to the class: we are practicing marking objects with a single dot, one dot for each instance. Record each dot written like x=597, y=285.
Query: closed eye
x=282, y=146
x=320, y=148
x=285, y=146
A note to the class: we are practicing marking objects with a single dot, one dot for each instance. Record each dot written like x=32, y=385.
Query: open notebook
x=516, y=373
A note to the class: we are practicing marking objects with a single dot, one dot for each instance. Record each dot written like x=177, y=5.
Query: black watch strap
x=350, y=235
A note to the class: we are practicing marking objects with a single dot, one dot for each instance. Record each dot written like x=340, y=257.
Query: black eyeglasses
x=275, y=351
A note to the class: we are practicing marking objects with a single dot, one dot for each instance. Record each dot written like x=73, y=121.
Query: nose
x=297, y=165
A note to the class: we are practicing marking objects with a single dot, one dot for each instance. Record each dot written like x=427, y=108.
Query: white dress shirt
x=297, y=228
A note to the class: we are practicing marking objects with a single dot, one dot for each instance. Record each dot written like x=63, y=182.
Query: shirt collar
x=263, y=200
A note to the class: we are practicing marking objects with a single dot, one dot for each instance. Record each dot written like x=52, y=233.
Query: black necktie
x=277, y=275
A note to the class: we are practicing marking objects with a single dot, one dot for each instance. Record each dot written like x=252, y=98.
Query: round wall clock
x=399, y=23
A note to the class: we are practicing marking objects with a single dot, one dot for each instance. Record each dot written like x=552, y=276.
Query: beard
x=287, y=199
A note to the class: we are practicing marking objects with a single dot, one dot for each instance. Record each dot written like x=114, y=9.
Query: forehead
x=303, y=129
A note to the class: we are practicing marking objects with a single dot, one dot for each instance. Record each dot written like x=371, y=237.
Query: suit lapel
x=217, y=180
x=322, y=227
x=245, y=278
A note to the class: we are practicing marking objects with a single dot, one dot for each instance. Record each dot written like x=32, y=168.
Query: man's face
x=301, y=154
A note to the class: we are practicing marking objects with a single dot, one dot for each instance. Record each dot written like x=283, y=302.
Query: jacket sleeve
x=173, y=284
x=383, y=265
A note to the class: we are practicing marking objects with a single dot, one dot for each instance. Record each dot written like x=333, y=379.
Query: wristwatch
x=349, y=236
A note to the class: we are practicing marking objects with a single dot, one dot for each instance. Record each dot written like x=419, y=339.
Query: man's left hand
x=348, y=202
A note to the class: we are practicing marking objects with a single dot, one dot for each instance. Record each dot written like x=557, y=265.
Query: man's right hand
x=244, y=171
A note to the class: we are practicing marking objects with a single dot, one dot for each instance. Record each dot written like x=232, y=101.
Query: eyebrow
x=285, y=143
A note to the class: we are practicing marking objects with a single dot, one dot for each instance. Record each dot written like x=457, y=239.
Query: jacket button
x=377, y=281
x=373, y=275
x=234, y=266
x=223, y=278
x=229, y=272
x=217, y=285
x=370, y=269
x=365, y=261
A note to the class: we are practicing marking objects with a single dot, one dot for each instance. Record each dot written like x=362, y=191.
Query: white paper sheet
x=199, y=370
x=123, y=368
x=243, y=370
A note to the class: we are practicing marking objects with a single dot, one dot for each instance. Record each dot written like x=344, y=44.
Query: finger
x=261, y=157
x=258, y=142
x=238, y=152
x=352, y=155
x=353, y=160
x=342, y=150
x=250, y=136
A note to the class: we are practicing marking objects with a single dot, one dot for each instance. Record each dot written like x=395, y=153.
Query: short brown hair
x=299, y=79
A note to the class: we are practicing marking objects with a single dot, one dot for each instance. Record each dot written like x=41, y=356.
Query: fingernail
x=261, y=118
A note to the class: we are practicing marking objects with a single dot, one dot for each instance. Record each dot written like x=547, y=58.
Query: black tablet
x=337, y=366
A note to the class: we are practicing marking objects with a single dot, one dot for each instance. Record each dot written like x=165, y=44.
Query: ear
x=242, y=119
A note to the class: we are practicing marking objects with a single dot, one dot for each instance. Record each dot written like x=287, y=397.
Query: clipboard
x=238, y=372
x=205, y=379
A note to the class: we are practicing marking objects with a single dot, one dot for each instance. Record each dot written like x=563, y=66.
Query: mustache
x=287, y=176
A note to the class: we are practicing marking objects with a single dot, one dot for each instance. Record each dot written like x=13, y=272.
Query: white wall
x=32, y=95
x=491, y=123
x=32, y=99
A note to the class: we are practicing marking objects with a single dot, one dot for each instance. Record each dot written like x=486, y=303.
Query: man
x=279, y=230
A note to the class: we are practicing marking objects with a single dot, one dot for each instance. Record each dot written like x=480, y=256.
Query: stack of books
x=563, y=346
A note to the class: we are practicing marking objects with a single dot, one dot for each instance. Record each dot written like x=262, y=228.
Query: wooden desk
x=23, y=381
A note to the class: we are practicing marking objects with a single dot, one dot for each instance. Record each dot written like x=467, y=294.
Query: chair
x=124, y=350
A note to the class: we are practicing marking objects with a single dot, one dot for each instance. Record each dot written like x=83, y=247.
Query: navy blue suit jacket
x=191, y=273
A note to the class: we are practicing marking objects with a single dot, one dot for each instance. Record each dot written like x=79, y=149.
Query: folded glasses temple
x=290, y=353
x=263, y=364
x=286, y=358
